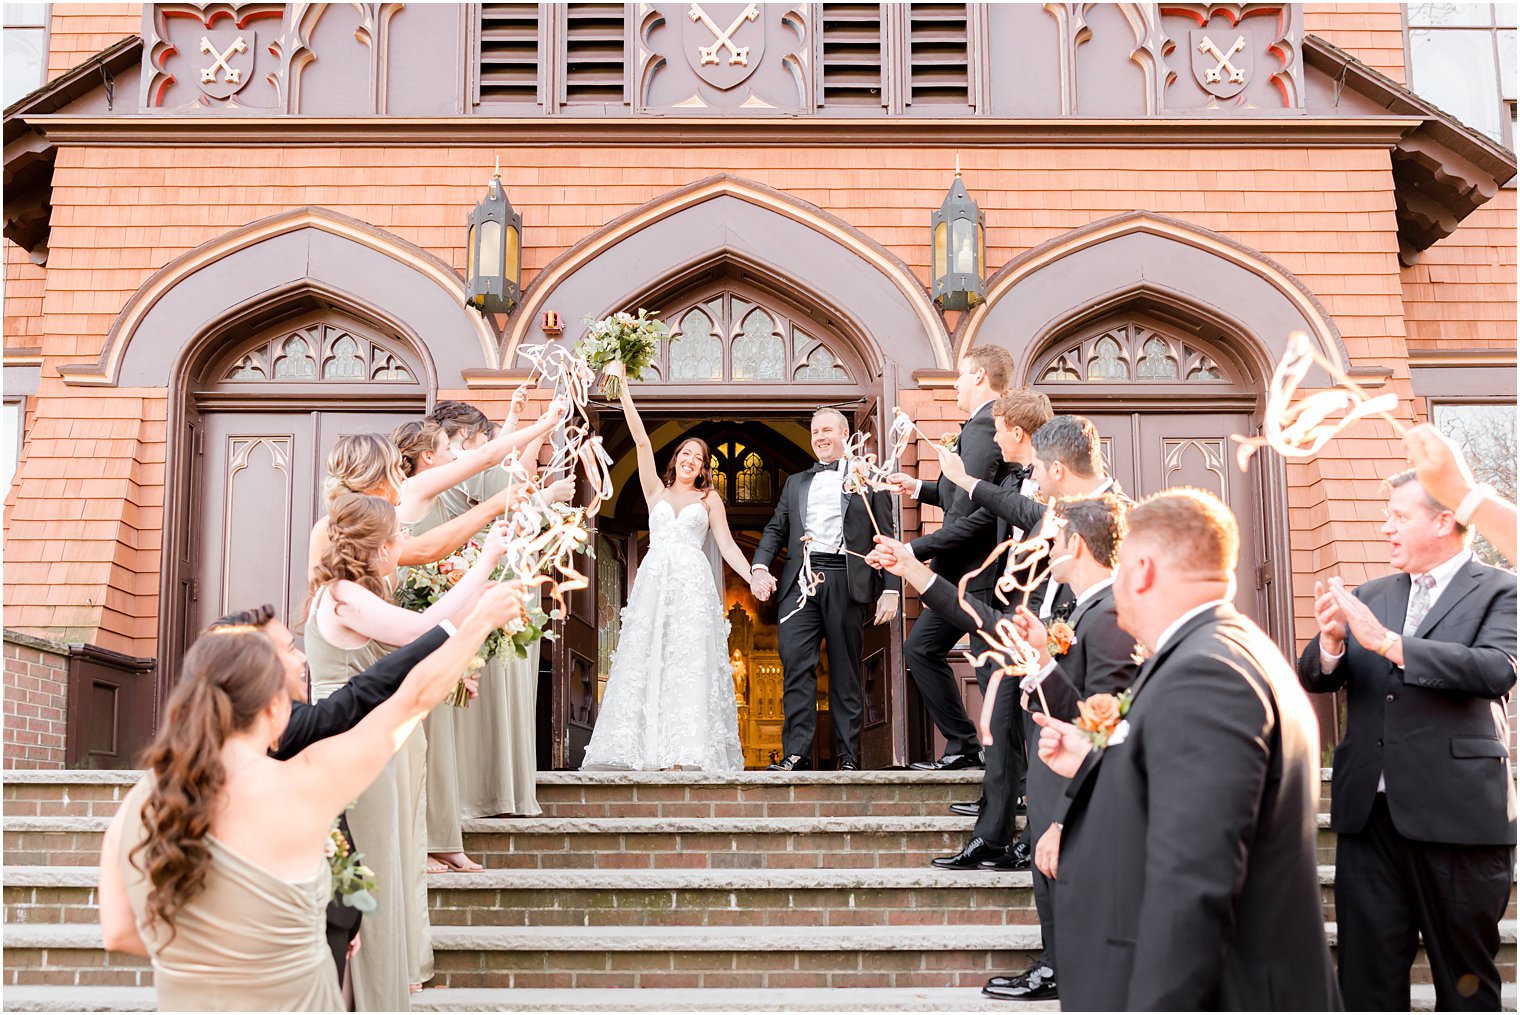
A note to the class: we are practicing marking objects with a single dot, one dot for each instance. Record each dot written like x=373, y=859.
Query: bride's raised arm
x=718, y=518
x=649, y=476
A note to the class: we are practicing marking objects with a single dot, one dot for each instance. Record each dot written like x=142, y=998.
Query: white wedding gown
x=670, y=696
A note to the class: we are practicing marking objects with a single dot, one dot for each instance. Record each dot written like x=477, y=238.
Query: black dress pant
x=1045, y=791
x=1005, y=759
x=828, y=616
x=925, y=649
x=1390, y=892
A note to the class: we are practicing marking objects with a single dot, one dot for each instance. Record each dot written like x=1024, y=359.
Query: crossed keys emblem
x=1214, y=75
x=724, y=38
x=232, y=75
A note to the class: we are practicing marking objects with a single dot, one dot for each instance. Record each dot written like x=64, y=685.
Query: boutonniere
x=1101, y=717
x=1139, y=655
x=1059, y=638
x=949, y=440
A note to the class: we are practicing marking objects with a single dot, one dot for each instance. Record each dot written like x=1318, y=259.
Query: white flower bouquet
x=628, y=339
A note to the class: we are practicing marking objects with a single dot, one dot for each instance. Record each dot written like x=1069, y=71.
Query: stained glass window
x=758, y=352
x=697, y=355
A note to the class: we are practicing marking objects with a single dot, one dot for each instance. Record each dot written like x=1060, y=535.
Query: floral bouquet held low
x=425, y=584
x=630, y=341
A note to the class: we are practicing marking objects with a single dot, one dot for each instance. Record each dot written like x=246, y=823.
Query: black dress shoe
x=1037, y=983
x=949, y=763
x=848, y=765
x=1017, y=858
x=790, y=763
x=970, y=858
x=971, y=810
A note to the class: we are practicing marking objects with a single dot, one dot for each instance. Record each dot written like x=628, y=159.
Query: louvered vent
x=852, y=58
x=594, y=53
x=509, y=53
x=938, y=55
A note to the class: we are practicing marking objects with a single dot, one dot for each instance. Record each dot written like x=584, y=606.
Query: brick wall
x=36, y=696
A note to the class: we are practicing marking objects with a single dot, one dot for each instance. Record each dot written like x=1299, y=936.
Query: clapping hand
x=1359, y=619
x=1331, y=620
x=951, y=465
x=1062, y=745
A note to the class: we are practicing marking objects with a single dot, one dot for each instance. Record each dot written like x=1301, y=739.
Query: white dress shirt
x=824, y=516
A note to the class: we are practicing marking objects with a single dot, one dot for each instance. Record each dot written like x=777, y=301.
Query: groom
x=814, y=506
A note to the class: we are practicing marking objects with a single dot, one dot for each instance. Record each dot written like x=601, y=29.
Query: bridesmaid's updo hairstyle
x=703, y=481
x=414, y=440
x=362, y=463
x=358, y=525
x=459, y=419
x=231, y=674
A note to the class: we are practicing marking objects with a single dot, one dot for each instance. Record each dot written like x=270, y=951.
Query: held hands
x=1062, y=745
x=951, y=465
x=761, y=583
x=1331, y=620
x=1032, y=630
x=1047, y=852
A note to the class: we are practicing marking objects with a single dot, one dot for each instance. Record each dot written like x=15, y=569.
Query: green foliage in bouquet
x=353, y=883
x=623, y=338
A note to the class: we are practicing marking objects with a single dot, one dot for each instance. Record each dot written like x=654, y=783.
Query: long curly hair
x=362, y=463
x=415, y=439
x=230, y=675
x=357, y=527
x=703, y=481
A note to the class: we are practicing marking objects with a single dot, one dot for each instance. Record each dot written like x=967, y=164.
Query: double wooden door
x=259, y=494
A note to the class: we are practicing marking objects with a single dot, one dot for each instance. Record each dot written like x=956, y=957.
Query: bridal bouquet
x=425, y=584
x=623, y=338
x=353, y=883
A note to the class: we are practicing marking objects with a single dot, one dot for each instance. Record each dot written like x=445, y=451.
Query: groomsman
x=955, y=548
x=1187, y=877
x=1422, y=805
x=814, y=506
x=1066, y=460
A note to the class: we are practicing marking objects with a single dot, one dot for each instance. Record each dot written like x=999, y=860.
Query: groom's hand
x=761, y=583
x=886, y=608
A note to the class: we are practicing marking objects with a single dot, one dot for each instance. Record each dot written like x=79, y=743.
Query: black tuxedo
x=339, y=713
x=1187, y=874
x=836, y=614
x=961, y=544
x=1436, y=731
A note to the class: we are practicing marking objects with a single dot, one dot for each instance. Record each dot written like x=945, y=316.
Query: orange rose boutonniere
x=1101, y=717
x=1059, y=638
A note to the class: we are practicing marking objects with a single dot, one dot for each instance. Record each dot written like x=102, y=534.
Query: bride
x=669, y=701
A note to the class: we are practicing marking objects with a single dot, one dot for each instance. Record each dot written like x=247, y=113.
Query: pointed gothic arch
x=727, y=218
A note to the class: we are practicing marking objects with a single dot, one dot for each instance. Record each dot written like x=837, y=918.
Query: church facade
x=237, y=231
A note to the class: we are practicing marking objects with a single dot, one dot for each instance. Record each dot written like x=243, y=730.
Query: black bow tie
x=1022, y=472
x=825, y=466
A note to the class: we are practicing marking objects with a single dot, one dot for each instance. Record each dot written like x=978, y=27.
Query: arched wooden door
x=260, y=421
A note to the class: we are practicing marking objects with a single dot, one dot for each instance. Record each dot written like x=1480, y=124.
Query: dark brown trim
x=496, y=133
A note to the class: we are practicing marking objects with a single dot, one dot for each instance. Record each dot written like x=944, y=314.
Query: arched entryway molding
x=167, y=321
x=1085, y=272
x=724, y=217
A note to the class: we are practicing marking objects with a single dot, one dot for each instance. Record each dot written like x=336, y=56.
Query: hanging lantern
x=493, y=252
x=959, y=238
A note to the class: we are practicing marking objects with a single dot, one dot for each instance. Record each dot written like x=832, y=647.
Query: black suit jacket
x=961, y=543
x=789, y=524
x=1188, y=879
x=1436, y=728
x=1100, y=661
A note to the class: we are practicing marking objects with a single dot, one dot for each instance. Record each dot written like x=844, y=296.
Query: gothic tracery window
x=729, y=337
x=293, y=355
x=1108, y=355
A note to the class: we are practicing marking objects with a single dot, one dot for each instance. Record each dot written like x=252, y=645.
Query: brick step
x=643, y=957
x=896, y=792
x=648, y=999
x=885, y=896
x=606, y=843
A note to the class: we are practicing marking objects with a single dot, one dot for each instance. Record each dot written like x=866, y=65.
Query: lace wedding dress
x=670, y=695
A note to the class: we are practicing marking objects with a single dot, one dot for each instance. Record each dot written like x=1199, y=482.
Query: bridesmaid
x=227, y=904
x=350, y=621
x=432, y=467
x=496, y=746
x=369, y=463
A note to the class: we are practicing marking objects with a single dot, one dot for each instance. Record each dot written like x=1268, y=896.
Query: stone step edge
x=892, y=776
x=971, y=937
x=644, y=999
x=639, y=879
x=864, y=823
